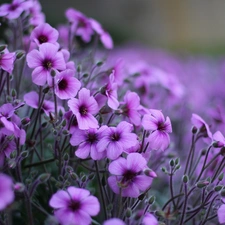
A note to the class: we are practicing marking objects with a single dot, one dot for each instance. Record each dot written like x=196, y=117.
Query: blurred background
x=196, y=26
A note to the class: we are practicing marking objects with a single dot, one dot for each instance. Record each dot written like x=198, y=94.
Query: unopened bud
x=177, y=161
x=194, y=130
x=74, y=176
x=222, y=193
x=220, y=178
x=2, y=48
x=218, y=188
x=150, y=173
x=202, y=184
x=25, y=121
x=99, y=63
x=128, y=212
x=20, y=54
x=13, y=93
x=44, y=177
x=24, y=154
x=63, y=123
x=141, y=196
x=85, y=75
x=185, y=179
x=46, y=90
x=91, y=176
x=78, y=68
x=66, y=157
x=53, y=73
x=222, y=151
x=172, y=163
x=65, y=132
x=164, y=170
x=151, y=200
x=217, y=144
x=19, y=187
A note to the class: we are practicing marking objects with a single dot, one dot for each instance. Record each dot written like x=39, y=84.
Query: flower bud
x=20, y=54
x=194, y=130
x=128, y=212
x=202, y=184
x=53, y=73
x=177, y=161
x=185, y=179
x=78, y=68
x=44, y=177
x=63, y=123
x=85, y=75
x=2, y=47
x=66, y=157
x=25, y=121
x=19, y=187
x=151, y=200
x=141, y=196
x=65, y=132
x=172, y=163
x=220, y=178
x=222, y=151
x=24, y=154
x=74, y=176
x=99, y=63
x=222, y=193
x=150, y=173
x=46, y=90
x=164, y=170
x=218, y=188
x=13, y=93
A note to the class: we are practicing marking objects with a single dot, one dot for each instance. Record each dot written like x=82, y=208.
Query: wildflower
x=44, y=33
x=155, y=122
x=87, y=141
x=36, y=16
x=110, y=90
x=14, y=10
x=219, y=138
x=115, y=140
x=7, y=60
x=83, y=108
x=103, y=35
x=149, y=219
x=203, y=127
x=221, y=214
x=81, y=25
x=129, y=175
x=6, y=193
x=114, y=221
x=74, y=206
x=66, y=85
x=131, y=106
x=46, y=59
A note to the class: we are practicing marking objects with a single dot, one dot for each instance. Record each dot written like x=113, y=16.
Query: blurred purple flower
x=155, y=122
x=114, y=221
x=74, y=206
x=203, y=127
x=129, y=175
x=149, y=219
x=131, y=107
x=83, y=108
x=44, y=33
x=7, y=61
x=43, y=61
x=221, y=214
x=115, y=140
x=6, y=191
x=103, y=35
x=81, y=25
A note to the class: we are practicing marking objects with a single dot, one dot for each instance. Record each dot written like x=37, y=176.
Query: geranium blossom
x=75, y=206
x=66, y=85
x=114, y=221
x=44, y=33
x=7, y=60
x=43, y=61
x=155, y=122
x=83, y=108
x=6, y=191
x=129, y=176
x=115, y=140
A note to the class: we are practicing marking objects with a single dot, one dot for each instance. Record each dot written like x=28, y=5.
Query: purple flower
x=131, y=106
x=104, y=36
x=203, y=127
x=129, y=175
x=32, y=100
x=81, y=25
x=6, y=191
x=44, y=33
x=155, y=122
x=7, y=61
x=14, y=10
x=44, y=60
x=74, y=206
x=87, y=141
x=219, y=138
x=221, y=214
x=66, y=85
x=83, y=108
x=149, y=219
x=110, y=90
x=114, y=221
x=115, y=140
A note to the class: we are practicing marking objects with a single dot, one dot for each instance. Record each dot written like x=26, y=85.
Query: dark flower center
x=83, y=110
x=13, y=7
x=62, y=84
x=128, y=176
x=47, y=64
x=74, y=205
x=82, y=23
x=92, y=137
x=42, y=39
x=161, y=126
x=115, y=137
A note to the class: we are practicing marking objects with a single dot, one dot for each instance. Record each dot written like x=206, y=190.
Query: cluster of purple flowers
x=83, y=137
